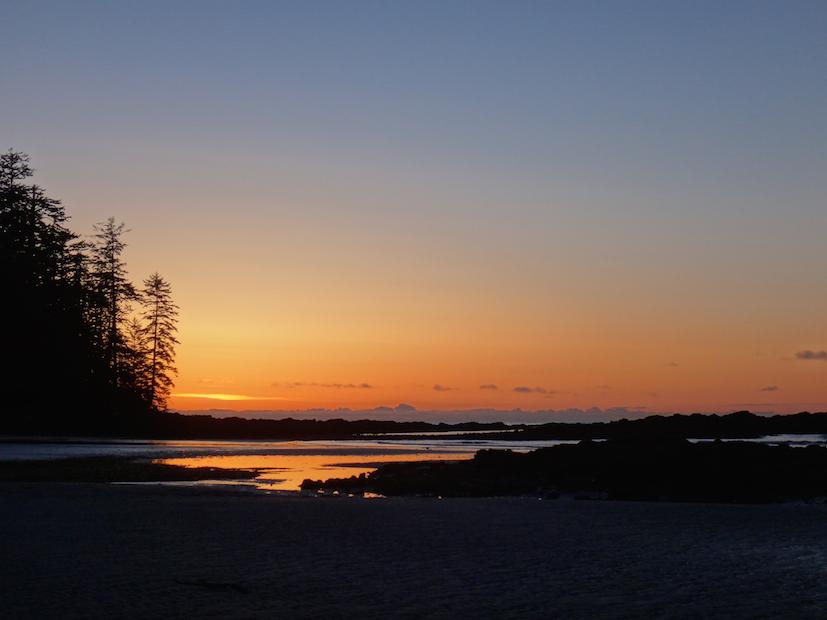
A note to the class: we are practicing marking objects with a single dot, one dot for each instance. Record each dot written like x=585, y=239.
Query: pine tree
x=33, y=238
x=160, y=316
x=114, y=291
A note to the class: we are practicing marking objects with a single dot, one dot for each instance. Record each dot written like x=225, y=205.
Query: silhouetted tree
x=161, y=317
x=34, y=240
x=114, y=289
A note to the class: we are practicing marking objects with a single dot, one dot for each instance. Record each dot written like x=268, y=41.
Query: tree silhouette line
x=80, y=337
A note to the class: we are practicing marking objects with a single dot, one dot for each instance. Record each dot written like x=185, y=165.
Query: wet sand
x=102, y=551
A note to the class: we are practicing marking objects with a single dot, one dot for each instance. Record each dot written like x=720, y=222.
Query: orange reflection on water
x=285, y=472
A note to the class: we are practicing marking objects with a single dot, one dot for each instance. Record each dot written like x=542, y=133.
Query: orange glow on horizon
x=230, y=397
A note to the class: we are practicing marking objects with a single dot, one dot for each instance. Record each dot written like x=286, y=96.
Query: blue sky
x=596, y=167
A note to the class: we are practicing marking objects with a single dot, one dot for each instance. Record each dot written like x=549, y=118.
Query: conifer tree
x=160, y=316
x=114, y=290
x=33, y=238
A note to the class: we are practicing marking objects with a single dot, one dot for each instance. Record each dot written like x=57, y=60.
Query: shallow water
x=283, y=465
x=285, y=472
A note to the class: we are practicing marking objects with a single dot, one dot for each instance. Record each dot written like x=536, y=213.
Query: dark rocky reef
x=659, y=470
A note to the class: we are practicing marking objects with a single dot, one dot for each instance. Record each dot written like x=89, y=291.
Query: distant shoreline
x=176, y=426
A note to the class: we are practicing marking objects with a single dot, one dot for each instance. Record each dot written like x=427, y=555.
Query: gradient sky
x=580, y=203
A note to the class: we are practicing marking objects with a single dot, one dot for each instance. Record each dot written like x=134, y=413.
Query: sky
x=452, y=205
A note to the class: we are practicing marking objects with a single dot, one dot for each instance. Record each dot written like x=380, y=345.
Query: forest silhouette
x=85, y=347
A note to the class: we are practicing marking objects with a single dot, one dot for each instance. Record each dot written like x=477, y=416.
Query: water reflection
x=285, y=472
x=18, y=449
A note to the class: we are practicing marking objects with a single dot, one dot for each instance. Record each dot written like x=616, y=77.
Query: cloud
x=673, y=364
x=524, y=389
x=488, y=386
x=770, y=388
x=404, y=407
x=441, y=388
x=335, y=386
x=812, y=355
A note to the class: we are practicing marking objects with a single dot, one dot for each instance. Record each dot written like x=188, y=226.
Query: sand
x=103, y=551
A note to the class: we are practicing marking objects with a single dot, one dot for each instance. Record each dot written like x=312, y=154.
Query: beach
x=148, y=551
